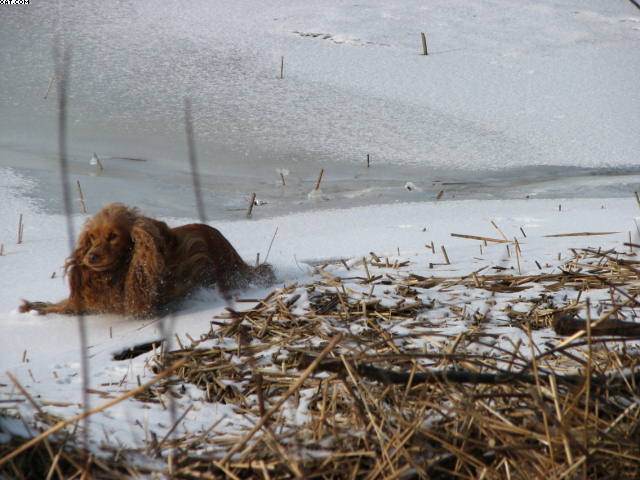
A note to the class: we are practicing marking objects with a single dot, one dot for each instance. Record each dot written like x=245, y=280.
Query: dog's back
x=205, y=257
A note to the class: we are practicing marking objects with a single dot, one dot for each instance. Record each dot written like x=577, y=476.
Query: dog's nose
x=93, y=258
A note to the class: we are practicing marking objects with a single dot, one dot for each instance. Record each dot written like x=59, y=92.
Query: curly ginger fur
x=129, y=264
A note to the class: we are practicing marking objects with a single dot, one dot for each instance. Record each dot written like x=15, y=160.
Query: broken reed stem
x=368, y=160
x=440, y=194
x=96, y=158
x=257, y=259
x=499, y=231
x=293, y=388
x=637, y=198
x=251, y=203
x=587, y=393
x=579, y=234
x=517, y=249
x=1, y=249
x=20, y=229
x=175, y=424
x=281, y=67
x=446, y=257
x=63, y=423
x=282, y=180
x=476, y=237
x=366, y=268
x=46, y=94
x=424, y=44
x=270, y=245
x=319, y=179
x=29, y=398
x=84, y=206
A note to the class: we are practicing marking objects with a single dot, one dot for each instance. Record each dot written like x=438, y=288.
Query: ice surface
x=511, y=96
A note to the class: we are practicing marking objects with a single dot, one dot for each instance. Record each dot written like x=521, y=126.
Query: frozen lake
x=538, y=100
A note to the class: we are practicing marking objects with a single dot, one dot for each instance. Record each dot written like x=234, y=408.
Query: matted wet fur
x=129, y=264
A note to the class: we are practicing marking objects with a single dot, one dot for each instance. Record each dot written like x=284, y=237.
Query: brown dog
x=128, y=264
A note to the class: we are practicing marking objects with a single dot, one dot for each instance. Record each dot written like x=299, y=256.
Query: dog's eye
x=112, y=236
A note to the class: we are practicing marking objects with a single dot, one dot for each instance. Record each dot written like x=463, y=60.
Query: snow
x=522, y=114
x=43, y=352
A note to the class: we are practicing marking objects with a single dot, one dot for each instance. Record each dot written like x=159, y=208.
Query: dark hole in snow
x=136, y=350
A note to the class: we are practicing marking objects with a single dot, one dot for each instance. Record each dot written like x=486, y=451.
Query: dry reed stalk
x=366, y=412
x=589, y=368
x=1, y=249
x=366, y=268
x=366, y=399
x=424, y=44
x=637, y=198
x=60, y=425
x=281, y=67
x=579, y=234
x=282, y=182
x=368, y=161
x=22, y=390
x=317, y=187
x=499, y=231
x=20, y=229
x=84, y=206
x=280, y=402
x=475, y=237
x=46, y=94
x=252, y=202
x=440, y=194
x=446, y=257
x=97, y=161
x=266, y=257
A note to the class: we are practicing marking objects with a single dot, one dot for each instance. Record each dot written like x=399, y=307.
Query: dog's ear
x=152, y=242
x=82, y=247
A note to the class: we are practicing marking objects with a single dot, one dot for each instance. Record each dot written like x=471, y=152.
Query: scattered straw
x=381, y=388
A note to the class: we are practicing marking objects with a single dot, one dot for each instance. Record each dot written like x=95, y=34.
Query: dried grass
x=383, y=404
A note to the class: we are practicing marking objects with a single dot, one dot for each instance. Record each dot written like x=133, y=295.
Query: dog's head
x=105, y=242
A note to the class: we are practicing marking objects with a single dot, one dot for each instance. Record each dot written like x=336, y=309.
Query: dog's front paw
x=39, y=307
